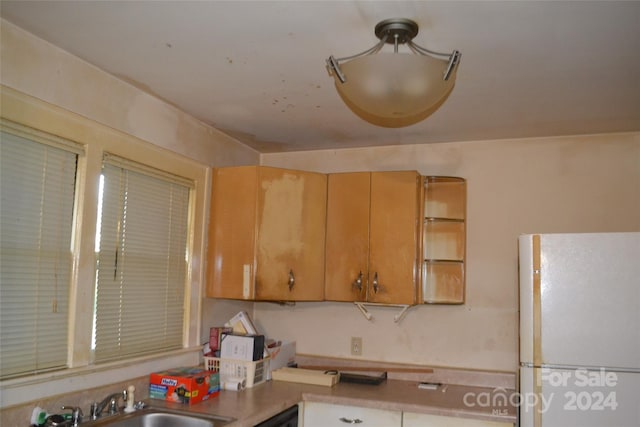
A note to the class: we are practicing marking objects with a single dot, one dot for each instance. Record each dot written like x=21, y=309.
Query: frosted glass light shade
x=394, y=89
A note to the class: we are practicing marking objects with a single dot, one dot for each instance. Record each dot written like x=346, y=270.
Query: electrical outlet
x=356, y=346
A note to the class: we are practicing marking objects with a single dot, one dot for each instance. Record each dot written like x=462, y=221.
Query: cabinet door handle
x=375, y=283
x=292, y=280
x=358, y=282
x=351, y=421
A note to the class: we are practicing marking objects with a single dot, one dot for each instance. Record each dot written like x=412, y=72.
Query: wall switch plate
x=356, y=346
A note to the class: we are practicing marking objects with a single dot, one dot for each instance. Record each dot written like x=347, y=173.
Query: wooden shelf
x=444, y=240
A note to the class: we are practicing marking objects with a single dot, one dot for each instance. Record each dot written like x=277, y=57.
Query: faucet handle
x=76, y=414
x=140, y=404
x=94, y=410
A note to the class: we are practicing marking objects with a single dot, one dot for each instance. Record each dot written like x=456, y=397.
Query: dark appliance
x=288, y=418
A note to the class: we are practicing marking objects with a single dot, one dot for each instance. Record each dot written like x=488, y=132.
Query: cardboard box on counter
x=306, y=376
x=189, y=385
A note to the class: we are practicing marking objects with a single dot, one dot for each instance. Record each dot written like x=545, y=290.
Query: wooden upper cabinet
x=373, y=237
x=347, y=247
x=267, y=234
x=232, y=228
x=291, y=220
x=394, y=244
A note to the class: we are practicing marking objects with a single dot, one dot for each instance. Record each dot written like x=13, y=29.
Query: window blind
x=142, y=262
x=37, y=186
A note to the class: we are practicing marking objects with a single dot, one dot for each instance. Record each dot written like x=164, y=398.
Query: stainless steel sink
x=159, y=417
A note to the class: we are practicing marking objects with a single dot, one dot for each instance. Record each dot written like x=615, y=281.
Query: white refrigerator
x=579, y=330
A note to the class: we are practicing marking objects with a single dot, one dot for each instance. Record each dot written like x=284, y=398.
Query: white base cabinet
x=316, y=414
x=410, y=419
x=328, y=415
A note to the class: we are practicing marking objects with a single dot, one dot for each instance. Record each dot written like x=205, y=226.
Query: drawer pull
x=350, y=421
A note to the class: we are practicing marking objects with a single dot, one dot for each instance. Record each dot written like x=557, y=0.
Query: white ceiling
x=256, y=70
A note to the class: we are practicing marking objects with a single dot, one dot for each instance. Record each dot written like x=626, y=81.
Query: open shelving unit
x=444, y=240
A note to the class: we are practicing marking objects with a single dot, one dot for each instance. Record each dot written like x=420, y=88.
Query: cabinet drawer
x=329, y=415
x=426, y=420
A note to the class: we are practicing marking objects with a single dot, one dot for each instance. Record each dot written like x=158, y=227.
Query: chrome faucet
x=112, y=401
x=76, y=414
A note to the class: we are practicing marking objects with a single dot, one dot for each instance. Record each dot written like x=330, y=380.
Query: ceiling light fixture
x=395, y=89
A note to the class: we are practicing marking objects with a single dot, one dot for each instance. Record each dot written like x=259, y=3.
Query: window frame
x=98, y=139
x=48, y=142
x=116, y=171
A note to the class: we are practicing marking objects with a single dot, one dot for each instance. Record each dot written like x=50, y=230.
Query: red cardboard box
x=189, y=385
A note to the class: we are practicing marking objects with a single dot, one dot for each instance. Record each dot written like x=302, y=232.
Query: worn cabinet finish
x=373, y=226
x=267, y=234
x=291, y=220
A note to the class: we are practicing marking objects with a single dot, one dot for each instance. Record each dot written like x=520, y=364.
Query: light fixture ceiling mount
x=399, y=89
x=403, y=30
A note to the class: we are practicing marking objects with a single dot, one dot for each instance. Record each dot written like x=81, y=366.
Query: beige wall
x=37, y=68
x=565, y=184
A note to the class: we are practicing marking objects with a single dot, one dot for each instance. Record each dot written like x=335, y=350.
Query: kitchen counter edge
x=252, y=406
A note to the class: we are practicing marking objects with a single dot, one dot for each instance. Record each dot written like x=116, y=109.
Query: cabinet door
x=410, y=419
x=231, y=235
x=328, y=415
x=347, y=248
x=394, y=239
x=291, y=219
